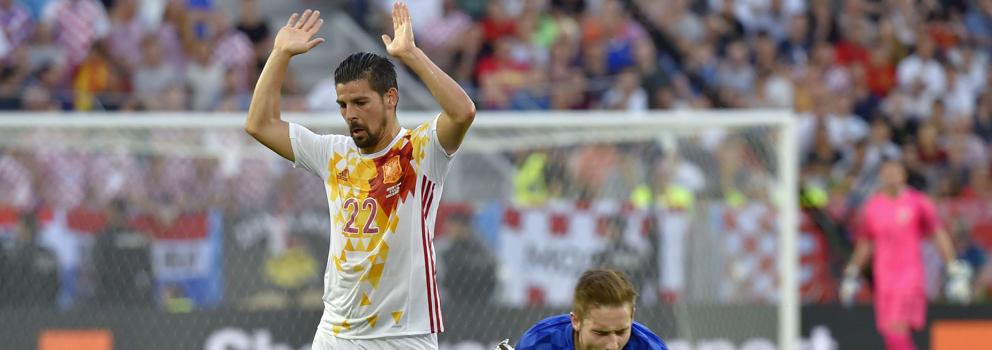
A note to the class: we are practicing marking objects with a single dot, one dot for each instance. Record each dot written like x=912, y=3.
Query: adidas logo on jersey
x=343, y=175
x=392, y=190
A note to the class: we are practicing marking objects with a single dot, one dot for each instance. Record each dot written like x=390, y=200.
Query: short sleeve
x=929, y=220
x=310, y=151
x=436, y=160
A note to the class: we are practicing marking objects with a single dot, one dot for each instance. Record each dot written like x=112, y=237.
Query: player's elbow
x=251, y=129
x=255, y=125
x=466, y=115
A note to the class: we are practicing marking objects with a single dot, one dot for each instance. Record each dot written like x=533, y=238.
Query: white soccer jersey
x=380, y=278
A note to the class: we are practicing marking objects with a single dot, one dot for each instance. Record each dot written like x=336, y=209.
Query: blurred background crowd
x=867, y=79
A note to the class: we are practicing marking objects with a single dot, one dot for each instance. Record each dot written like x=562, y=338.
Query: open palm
x=295, y=37
x=402, y=43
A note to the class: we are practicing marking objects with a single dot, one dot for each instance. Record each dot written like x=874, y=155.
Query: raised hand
x=402, y=43
x=295, y=37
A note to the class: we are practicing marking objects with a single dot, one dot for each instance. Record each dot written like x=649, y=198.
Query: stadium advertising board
x=466, y=328
x=824, y=327
x=947, y=326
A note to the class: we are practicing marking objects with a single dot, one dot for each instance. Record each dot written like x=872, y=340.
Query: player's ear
x=392, y=98
x=576, y=323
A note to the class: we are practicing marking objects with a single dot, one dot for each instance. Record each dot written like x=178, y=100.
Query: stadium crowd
x=867, y=79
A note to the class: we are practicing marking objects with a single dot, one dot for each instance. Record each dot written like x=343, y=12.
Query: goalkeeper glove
x=849, y=286
x=504, y=345
x=958, y=288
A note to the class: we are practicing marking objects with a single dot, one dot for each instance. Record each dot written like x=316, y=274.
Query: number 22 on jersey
x=361, y=217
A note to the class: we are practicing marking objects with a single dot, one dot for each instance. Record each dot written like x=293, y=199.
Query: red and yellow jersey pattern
x=380, y=278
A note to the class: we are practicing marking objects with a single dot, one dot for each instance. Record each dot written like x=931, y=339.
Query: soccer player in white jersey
x=383, y=186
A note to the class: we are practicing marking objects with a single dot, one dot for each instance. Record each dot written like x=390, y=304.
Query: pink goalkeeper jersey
x=896, y=226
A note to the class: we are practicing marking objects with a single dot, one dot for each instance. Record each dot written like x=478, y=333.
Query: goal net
x=180, y=231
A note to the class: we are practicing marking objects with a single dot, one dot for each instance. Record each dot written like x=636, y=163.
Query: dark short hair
x=602, y=287
x=378, y=70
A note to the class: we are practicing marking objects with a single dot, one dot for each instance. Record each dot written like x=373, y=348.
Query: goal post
x=708, y=198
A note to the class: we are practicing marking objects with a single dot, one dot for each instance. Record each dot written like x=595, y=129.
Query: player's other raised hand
x=402, y=41
x=295, y=37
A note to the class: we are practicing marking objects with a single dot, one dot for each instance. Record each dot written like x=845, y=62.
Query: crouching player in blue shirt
x=602, y=318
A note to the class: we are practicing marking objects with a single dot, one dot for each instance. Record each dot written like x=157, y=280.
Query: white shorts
x=323, y=341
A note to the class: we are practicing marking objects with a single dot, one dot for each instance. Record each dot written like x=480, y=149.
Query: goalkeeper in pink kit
x=893, y=223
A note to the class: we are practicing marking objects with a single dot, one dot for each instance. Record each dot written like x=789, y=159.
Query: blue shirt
x=555, y=333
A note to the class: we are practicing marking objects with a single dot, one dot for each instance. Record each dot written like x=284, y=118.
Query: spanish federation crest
x=391, y=171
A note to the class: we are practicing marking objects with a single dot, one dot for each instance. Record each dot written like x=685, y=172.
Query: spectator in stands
x=880, y=71
x=904, y=125
x=76, y=26
x=36, y=98
x=452, y=40
x=256, y=27
x=818, y=162
x=930, y=151
x=232, y=49
x=126, y=36
x=627, y=93
x=652, y=77
x=172, y=37
x=234, y=96
x=701, y=66
x=15, y=23
x=795, y=49
x=773, y=90
x=13, y=76
x=100, y=82
x=979, y=22
x=961, y=91
x=983, y=117
x=42, y=51
x=496, y=24
x=620, y=255
x=852, y=49
x=921, y=75
x=617, y=33
x=500, y=76
x=736, y=75
x=979, y=186
x=763, y=53
x=35, y=268
x=960, y=134
x=16, y=179
x=469, y=269
x=880, y=145
x=153, y=77
x=205, y=78
x=592, y=167
x=122, y=259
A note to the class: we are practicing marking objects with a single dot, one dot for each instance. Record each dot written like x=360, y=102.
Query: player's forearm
x=862, y=251
x=265, y=100
x=944, y=244
x=453, y=100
